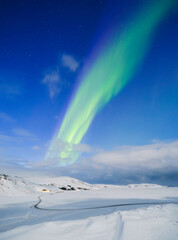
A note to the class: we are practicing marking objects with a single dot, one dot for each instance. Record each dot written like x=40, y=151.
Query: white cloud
x=36, y=148
x=20, y=136
x=84, y=148
x=6, y=138
x=6, y=117
x=52, y=79
x=22, y=132
x=153, y=156
x=70, y=62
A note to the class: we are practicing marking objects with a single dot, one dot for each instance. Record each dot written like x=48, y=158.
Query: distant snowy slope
x=144, y=185
x=17, y=185
x=67, y=182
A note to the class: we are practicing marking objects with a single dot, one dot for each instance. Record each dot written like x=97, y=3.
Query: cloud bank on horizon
x=152, y=163
x=152, y=156
x=112, y=68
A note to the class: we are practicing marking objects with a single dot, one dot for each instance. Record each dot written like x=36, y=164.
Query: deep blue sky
x=35, y=38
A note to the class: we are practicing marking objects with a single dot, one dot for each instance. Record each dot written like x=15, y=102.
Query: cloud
x=70, y=62
x=158, y=155
x=85, y=148
x=21, y=135
x=6, y=117
x=154, y=156
x=98, y=169
x=22, y=132
x=153, y=163
x=52, y=77
x=63, y=153
x=52, y=80
x=36, y=148
x=7, y=138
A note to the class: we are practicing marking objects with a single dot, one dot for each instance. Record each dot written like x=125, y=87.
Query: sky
x=49, y=50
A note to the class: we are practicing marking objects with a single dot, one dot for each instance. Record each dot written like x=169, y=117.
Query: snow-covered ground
x=71, y=209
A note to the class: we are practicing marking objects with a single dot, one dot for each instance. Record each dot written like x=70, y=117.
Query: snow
x=17, y=185
x=75, y=214
x=156, y=222
x=101, y=227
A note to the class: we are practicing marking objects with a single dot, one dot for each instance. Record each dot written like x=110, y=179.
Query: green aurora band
x=111, y=70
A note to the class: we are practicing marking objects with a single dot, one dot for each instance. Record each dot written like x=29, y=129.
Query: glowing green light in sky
x=110, y=71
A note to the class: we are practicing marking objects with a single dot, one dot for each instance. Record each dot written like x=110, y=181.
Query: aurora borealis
x=89, y=89
x=110, y=71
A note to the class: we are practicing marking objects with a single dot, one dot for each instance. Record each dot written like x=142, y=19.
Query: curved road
x=106, y=206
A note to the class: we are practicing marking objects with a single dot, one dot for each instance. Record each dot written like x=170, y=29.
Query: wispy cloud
x=36, y=148
x=70, y=62
x=17, y=146
x=52, y=77
x=7, y=138
x=52, y=80
x=6, y=117
x=18, y=135
x=22, y=132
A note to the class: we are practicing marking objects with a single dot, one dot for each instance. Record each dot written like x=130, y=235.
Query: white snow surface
x=79, y=214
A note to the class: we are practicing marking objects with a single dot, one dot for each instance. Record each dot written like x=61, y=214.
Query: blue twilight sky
x=43, y=48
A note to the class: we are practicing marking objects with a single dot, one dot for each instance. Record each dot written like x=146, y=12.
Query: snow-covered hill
x=17, y=185
x=144, y=185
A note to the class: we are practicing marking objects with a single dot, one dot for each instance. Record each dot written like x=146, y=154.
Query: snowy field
x=65, y=208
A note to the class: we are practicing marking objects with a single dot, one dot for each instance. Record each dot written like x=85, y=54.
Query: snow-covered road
x=138, y=204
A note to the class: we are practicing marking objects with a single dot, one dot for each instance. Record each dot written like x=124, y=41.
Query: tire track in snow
x=119, y=228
